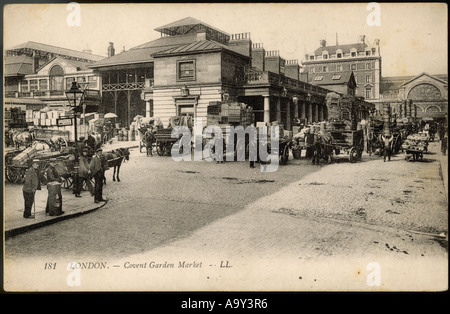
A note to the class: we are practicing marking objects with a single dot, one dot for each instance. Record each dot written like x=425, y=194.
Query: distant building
x=40, y=73
x=428, y=93
x=362, y=59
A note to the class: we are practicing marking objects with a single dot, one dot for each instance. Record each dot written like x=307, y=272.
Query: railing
x=266, y=77
x=128, y=86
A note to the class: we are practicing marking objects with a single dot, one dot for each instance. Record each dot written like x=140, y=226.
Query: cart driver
x=149, y=138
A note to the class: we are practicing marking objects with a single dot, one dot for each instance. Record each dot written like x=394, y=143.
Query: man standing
x=98, y=171
x=84, y=173
x=32, y=183
x=387, y=141
x=53, y=176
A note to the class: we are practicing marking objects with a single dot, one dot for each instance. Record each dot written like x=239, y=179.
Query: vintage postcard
x=225, y=147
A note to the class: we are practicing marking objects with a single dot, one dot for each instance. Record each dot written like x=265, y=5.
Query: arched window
x=56, y=78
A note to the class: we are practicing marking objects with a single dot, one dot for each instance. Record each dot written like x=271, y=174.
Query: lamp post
x=75, y=97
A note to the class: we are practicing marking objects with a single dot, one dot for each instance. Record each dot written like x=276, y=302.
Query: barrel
x=54, y=199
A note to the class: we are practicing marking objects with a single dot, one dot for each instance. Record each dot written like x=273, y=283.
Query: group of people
x=91, y=165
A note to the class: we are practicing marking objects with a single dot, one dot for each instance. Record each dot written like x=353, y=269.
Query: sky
x=413, y=36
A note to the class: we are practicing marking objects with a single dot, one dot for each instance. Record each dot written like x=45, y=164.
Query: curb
x=13, y=232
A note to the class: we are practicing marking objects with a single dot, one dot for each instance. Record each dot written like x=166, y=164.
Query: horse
x=115, y=159
x=21, y=137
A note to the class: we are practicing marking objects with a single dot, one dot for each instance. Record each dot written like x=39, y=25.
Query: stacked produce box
x=15, y=118
x=229, y=112
x=386, y=114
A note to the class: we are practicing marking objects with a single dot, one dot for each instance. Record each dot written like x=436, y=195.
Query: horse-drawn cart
x=349, y=141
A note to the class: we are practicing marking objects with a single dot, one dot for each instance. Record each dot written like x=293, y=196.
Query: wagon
x=349, y=141
x=165, y=141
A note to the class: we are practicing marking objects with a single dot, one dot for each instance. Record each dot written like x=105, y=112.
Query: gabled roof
x=143, y=53
x=80, y=65
x=179, y=26
x=31, y=45
x=18, y=65
x=424, y=74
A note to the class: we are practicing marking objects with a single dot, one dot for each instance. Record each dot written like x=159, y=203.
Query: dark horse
x=115, y=159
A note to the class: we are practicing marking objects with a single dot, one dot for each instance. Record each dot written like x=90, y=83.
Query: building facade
x=428, y=96
x=193, y=64
x=362, y=59
x=36, y=72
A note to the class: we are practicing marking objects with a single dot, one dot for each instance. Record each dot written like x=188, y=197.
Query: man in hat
x=98, y=168
x=31, y=184
x=387, y=143
x=84, y=172
x=53, y=176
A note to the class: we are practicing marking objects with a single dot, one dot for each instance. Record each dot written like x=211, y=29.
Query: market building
x=38, y=74
x=193, y=64
x=427, y=96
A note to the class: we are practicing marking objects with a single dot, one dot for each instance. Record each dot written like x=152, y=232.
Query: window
x=339, y=55
x=325, y=68
x=336, y=77
x=92, y=82
x=56, y=78
x=353, y=54
x=368, y=78
x=24, y=86
x=368, y=93
x=353, y=66
x=318, y=78
x=311, y=70
x=186, y=70
x=369, y=66
x=311, y=57
x=33, y=85
x=325, y=56
x=367, y=52
x=43, y=85
x=338, y=68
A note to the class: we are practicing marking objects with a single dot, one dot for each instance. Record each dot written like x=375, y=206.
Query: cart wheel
x=353, y=155
x=160, y=149
x=11, y=174
x=67, y=182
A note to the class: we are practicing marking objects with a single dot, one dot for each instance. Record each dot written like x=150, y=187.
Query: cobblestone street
x=303, y=221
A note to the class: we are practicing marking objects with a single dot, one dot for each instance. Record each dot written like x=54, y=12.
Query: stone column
x=303, y=114
x=295, y=101
x=148, y=113
x=288, y=115
x=266, y=108
x=278, y=109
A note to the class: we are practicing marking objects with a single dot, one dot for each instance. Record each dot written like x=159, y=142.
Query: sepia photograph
x=225, y=147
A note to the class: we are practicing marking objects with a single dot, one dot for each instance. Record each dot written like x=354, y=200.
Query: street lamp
x=75, y=96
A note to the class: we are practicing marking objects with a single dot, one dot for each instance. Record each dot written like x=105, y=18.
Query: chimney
x=292, y=69
x=362, y=39
x=241, y=43
x=323, y=43
x=274, y=63
x=111, y=50
x=258, y=57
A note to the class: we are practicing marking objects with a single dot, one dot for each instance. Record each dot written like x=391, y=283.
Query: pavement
x=14, y=223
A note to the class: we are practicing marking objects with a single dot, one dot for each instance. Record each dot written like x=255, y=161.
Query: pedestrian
x=387, y=142
x=31, y=184
x=218, y=148
x=84, y=172
x=90, y=142
x=98, y=172
x=149, y=137
x=444, y=142
x=53, y=176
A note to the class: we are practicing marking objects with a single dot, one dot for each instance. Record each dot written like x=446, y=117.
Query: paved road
x=304, y=227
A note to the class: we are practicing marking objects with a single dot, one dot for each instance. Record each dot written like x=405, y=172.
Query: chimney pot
x=323, y=43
